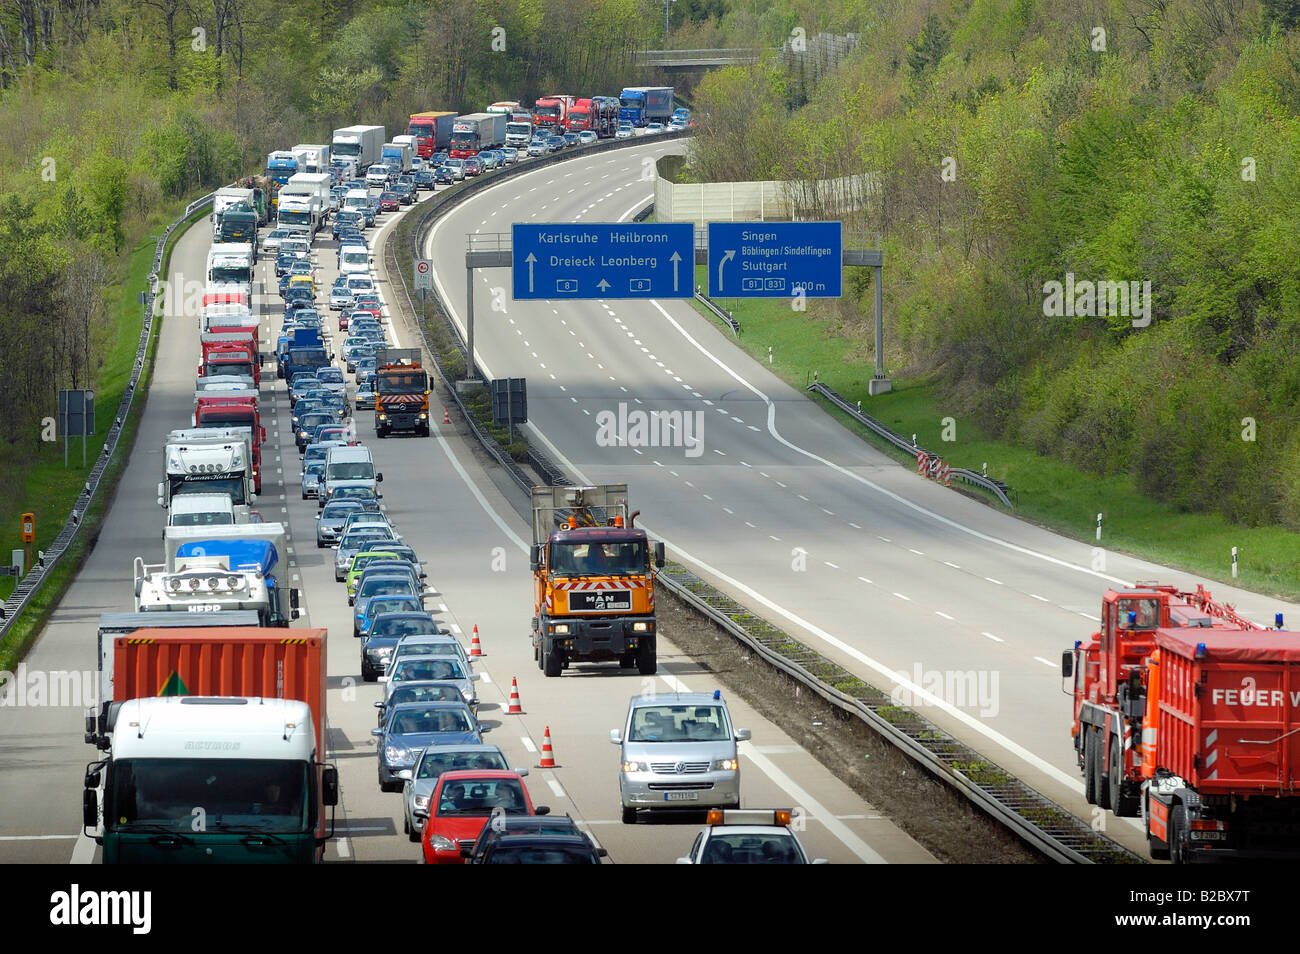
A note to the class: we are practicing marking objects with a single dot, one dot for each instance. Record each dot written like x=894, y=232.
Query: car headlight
x=420, y=801
x=726, y=765
x=635, y=767
x=395, y=753
x=468, y=694
x=439, y=843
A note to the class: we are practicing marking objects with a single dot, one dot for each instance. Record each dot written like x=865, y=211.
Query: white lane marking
x=557, y=788
x=995, y=582
x=996, y=639
x=1045, y=662
x=917, y=552
x=812, y=808
x=941, y=613
x=833, y=566
x=528, y=743
x=1095, y=619
x=1043, y=599
x=345, y=850
x=484, y=677
x=902, y=597
x=953, y=565
x=39, y=838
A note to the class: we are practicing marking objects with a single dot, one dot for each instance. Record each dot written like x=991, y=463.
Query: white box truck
x=361, y=143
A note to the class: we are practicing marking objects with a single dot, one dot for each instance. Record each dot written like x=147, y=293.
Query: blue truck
x=300, y=351
x=641, y=105
x=280, y=166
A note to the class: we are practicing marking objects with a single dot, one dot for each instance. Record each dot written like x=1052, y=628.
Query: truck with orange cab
x=593, y=579
x=401, y=392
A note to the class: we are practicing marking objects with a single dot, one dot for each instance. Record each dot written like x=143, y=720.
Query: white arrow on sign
x=530, y=260
x=602, y=285
x=727, y=256
x=675, y=260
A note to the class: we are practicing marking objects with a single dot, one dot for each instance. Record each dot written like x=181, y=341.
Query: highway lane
x=783, y=507
x=470, y=536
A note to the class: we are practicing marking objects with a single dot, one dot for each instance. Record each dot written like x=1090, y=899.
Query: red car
x=389, y=202
x=473, y=166
x=461, y=804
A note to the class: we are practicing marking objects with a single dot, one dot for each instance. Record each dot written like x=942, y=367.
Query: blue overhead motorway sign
x=775, y=259
x=647, y=260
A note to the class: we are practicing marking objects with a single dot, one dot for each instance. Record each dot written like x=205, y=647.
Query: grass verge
x=50, y=489
x=1044, y=491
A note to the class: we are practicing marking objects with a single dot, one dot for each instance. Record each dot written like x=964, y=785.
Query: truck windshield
x=217, y=417
x=266, y=794
x=231, y=485
x=228, y=367
x=551, y=112
x=211, y=519
x=308, y=358
x=243, y=274
x=467, y=141
x=346, y=150
x=599, y=559
x=402, y=382
x=289, y=217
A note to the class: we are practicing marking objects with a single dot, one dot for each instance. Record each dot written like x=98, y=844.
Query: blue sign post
x=648, y=260
x=775, y=259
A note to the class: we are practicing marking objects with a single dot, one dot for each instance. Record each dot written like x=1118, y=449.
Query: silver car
x=430, y=668
x=312, y=475
x=353, y=542
x=678, y=753
x=423, y=779
x=329, y=520
x=430, y=645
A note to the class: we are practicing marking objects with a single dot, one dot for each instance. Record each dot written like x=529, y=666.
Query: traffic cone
x=514, y=708
x=475, y=648
x=446, y=416
x=548, y=754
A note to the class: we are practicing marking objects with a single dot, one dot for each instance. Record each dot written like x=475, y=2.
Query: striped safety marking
x=1212, y=754
x=588, y=585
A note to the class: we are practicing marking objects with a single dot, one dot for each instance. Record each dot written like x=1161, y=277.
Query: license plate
x=681, y=796
x=600, y=601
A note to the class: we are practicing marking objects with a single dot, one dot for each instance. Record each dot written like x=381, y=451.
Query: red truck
x=214, y=753
x=233, y=409
x=230, y=352
x=1105, y=743
x=224, y=321
x=1222, y=767
x=582, y=116
x=432, y=131
x=553, y=112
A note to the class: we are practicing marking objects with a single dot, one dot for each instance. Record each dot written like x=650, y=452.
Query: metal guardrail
x=1038, y=820
x=995, y=487
x=36, y=576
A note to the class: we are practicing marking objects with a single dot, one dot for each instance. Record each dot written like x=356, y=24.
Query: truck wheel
x=1089, y=776
x=1178, y=836
x=629, y=815
x=1098, y=766
x=1124, y=806
x=552, y=662
x=645, y=658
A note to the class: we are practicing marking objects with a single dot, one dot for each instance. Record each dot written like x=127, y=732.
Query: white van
x=349, y=467
x=354, y=260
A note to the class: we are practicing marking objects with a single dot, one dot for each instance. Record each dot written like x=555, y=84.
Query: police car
x=747, y=837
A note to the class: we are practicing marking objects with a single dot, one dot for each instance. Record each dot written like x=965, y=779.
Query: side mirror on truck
x=329, y=785
x=659, y=554
x=1067, y=664
x=534, y=557
x=161, y=494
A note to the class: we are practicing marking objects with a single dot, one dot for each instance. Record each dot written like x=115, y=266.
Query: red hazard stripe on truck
x=602, y=585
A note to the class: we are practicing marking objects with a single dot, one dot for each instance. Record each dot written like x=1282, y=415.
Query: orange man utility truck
x=593, y=582
x=401, y=392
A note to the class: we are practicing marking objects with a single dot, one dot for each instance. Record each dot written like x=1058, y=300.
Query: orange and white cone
x=515, y=708
x=548, y=754
x=475, y=648
x=446, y=416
